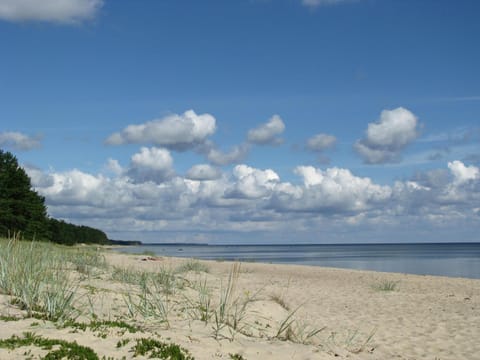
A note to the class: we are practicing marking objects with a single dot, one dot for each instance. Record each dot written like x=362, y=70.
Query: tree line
x=23, y=211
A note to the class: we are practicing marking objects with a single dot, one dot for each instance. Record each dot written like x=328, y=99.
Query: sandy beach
x=270, y=312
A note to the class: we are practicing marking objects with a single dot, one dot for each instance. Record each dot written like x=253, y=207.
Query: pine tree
x=22, y=209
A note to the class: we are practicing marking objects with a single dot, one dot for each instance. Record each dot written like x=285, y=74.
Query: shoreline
x=424, y=266
x=180, y=259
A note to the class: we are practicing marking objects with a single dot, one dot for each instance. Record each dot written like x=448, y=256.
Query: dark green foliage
x=236, y=357
x=9, y=318
x=66, y=350
x=101, y=324
x=122, y=342
x=124, y=242
x=157, y=349
x=69, y=234
x=22, y=210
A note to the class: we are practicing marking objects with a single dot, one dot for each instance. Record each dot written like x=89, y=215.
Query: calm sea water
x=452, y=259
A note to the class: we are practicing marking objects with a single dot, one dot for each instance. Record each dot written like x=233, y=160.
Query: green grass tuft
x=236, y=357
x=192, y=265
x=386, y=285
x=157, y=349
x=64, y=349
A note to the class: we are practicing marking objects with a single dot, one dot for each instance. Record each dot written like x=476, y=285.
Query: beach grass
x=60, y=284
x=192, y=265
x=386, y=285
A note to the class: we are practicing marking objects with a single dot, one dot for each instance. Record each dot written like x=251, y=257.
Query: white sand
x=425, y=317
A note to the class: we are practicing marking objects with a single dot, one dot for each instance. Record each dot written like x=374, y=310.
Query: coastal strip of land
x=121, y=306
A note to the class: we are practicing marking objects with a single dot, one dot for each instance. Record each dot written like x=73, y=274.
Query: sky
x=248, y=121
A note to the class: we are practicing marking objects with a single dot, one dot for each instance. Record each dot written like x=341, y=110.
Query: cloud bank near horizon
x=143, y=198
x=147, y=194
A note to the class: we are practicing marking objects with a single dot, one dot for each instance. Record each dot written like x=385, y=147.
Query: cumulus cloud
x=385, y=139
x=175, y=132
x=268, y=133
x=73, y=188
x=252, y=199
x=19, y=141
x=203, y=172
x=118, y=203
x=38, y=177
x=114, y=166
x=58, y=11
x=151, y=164
x=252, y=183
x=462, y=173
x=331, y=191
x=464, y=190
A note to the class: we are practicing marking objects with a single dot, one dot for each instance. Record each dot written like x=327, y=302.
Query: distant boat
x=180, y=249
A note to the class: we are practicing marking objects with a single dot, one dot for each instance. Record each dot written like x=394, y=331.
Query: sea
x=443, y=259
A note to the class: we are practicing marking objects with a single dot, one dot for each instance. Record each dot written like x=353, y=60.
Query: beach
x=269, y=311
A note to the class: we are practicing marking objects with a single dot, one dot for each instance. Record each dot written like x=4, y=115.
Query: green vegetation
x=231, y=310
x=353, y=341
x=63, y=350
x=23, y=213
x=236, y=357
x=34, y=275
x=21, y=208
x=280, y=300
x=157, y=349
x=386, y=285
x=69, y=234
x=192, y=265
x=200, y=308
x=151, y=301
x=60, y=284
x=8, y=318
x=97, y=325
x=127, y=275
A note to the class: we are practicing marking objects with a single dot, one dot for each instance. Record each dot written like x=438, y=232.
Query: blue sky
x=248, y=120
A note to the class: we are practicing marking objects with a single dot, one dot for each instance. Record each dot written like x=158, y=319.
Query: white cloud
x=317, y=3
x=177, y=132
x=38, y=177
x=385, y=139
x=120, y=204
x=18, y=141
x=267, y=134
x=114, y=166
x=73, y=188
x=151, y=164
x=203, y=172
x=252, y=183
x=462, y=173
x=460, y=194
x=59, y=11
x=321, y=142
x=217, y=157
x=251, y=199
x=331, y=191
